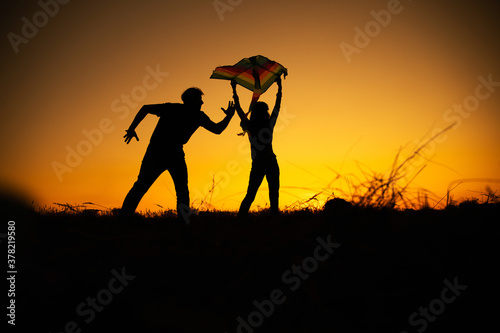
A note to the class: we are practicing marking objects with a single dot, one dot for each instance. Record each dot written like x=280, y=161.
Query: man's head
x=192, y=98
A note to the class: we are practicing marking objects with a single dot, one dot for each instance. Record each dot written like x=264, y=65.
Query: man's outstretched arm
x=219, y=127
x=143, y=112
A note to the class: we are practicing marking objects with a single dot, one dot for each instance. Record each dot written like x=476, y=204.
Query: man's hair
x=191, y=94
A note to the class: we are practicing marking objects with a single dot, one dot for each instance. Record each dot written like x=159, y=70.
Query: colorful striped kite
x=255, y=73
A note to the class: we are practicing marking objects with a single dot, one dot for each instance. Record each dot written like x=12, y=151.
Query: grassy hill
x=384, y=270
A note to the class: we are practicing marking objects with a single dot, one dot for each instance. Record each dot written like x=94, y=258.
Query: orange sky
x=347, y=99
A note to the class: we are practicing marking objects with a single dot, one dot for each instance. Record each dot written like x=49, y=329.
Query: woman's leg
x=256, y=176
x=273, y=181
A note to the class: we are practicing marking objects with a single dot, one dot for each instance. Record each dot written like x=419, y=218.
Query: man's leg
x=256, y=177
x=150, y=171
x=178, y=171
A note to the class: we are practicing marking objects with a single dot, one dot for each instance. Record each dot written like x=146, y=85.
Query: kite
x=256, y=73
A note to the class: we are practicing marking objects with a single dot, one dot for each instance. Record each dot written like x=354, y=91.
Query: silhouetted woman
x=260, y=132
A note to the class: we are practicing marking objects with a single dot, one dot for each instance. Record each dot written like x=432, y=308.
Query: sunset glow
x=366, y=80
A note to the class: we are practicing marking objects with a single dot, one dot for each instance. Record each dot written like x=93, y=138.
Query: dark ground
x=389, y=264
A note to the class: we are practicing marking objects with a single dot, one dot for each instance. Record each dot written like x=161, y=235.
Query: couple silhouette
x=178, y=122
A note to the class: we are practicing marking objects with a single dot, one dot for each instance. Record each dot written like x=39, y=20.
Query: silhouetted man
x=165, y=151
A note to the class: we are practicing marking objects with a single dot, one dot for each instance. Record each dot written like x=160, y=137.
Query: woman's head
x=259, y=117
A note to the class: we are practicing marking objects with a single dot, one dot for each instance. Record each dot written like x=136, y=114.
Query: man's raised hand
x=230, y=109
x=130, y=135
